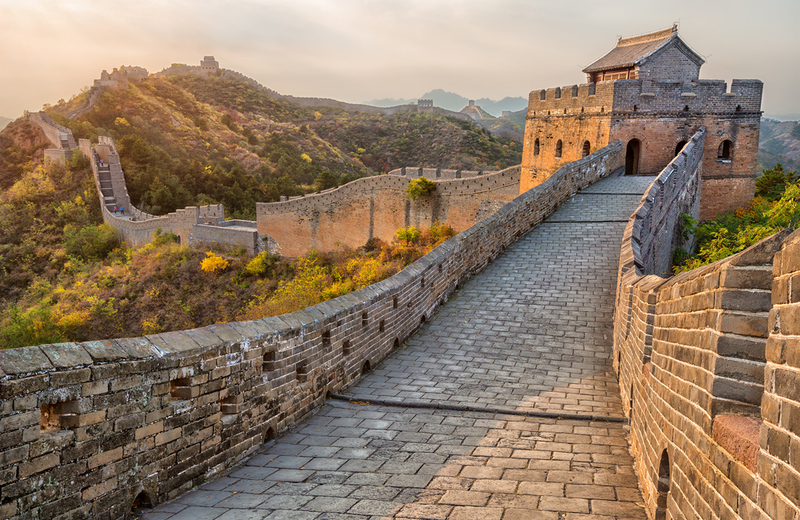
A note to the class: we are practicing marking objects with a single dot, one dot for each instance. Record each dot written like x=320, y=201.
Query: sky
x=359, y=50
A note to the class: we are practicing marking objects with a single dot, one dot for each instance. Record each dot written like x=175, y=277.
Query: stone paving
x=531, y=333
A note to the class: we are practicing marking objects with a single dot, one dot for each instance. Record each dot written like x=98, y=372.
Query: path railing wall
x=88, y=429
x=703, y=366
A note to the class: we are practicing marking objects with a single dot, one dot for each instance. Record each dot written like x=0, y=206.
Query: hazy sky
x=357, y=50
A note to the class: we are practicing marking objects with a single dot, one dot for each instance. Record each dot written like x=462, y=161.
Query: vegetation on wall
x=775, y=207
x=418, y=188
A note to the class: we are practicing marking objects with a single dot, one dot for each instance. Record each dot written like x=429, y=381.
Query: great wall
x=707, y=360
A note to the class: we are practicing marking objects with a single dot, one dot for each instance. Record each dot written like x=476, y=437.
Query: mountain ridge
x=455, y=102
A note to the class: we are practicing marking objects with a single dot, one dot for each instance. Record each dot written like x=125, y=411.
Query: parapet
x=637, y=95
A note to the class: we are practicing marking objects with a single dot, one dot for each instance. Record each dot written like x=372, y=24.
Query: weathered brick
x=38, y=465
x=83, y=419
x=106, y=457
x=149, y=430
x=94, y=388
x=168, y=436
x=93, y=492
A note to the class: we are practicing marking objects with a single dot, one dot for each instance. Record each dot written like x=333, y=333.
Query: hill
x=455, y=102
x=187, y=140
x=779, y=142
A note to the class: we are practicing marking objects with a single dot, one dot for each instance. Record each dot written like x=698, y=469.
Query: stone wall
x=709, y=411
x=60, y=137
x=348, y=216
x=117, y=422
x=203, y=226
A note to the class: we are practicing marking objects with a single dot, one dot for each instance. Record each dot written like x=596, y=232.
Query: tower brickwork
x=654, y=114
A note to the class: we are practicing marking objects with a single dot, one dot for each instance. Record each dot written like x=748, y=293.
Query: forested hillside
x=182, y=141
x=187, y=140
x=779, y=142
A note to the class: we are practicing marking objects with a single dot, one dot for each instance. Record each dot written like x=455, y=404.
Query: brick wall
x=779, y=439
x=109, y=421
x=703, y=361
x=348, y=216
x=672, y=62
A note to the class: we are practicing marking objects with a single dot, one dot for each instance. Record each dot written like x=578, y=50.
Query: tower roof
x=634, y=51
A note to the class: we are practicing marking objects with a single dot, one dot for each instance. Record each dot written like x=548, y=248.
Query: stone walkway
x=439, y=430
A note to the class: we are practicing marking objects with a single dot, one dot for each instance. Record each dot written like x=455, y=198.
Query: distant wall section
x=348, y=216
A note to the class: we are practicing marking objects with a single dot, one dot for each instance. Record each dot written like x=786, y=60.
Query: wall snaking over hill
x=200, y=226
x=117, y=422
x=705, y=366
x=377, y=206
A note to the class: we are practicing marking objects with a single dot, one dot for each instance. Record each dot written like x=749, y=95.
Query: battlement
x=587, y=98
x=436, y=173
x=375, y=207
x=638, y=95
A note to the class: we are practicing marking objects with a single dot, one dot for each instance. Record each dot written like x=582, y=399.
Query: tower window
x=587, y=148
x=558, y=148
x=536, y=147
x=724, y=151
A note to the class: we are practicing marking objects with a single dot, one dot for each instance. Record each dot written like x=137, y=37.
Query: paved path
x=532, y=333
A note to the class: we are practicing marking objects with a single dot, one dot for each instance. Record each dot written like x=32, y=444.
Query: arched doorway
x=679, y=147
x=632, y=157
x=662, y=488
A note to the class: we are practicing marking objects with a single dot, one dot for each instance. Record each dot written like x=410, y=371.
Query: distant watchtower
x=209, y=65
x=647, y=93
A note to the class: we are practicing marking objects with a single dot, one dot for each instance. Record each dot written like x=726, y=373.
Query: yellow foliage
x=151, y=326
x=213, y=263
x=121, y=121
x=306, y=157
x=317, y=116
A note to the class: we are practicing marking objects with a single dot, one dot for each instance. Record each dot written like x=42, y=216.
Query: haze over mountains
x=4, y=121
x=455, y=102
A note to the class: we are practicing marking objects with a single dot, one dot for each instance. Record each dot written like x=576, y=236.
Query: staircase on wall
x=106, y=190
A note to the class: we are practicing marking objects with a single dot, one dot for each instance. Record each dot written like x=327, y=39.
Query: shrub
x=90, y=242
x=213, y=263
x=409, y=235
x=262, y=264
x=419, y=188
x=773, y=183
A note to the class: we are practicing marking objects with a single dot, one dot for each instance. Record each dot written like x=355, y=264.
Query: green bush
x=90, y=242
x=419, y=188
x=773, y=182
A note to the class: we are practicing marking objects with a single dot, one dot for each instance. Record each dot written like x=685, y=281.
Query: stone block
x=24, y=360
x=105, y=458
x=104, y=351
x=38, y=465
x=84, y=419
x=66, y=355
x=137, y=348
x=745, y=300
x=744, y=324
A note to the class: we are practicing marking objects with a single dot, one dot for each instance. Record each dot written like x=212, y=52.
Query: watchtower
x=647, y=93
x=209, y=65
